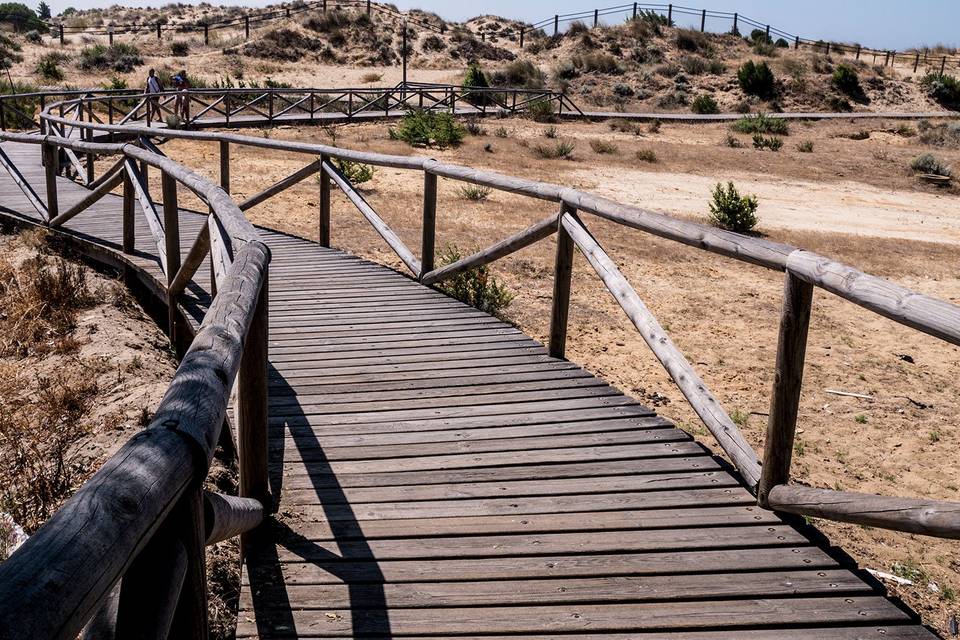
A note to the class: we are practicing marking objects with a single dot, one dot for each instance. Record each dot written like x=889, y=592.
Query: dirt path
x=844, y=207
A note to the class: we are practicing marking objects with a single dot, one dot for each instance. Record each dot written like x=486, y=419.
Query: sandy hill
x=643, y=64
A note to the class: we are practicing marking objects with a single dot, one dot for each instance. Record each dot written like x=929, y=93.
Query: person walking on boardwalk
x=153, y=91
x=181, y=83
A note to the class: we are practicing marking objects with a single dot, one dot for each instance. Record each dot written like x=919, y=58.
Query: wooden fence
x=227, y=107
x=736, y=23
x=143, y=516
x=143, y=507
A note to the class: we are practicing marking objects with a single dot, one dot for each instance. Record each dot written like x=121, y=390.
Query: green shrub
x=48, y=69
x=474, y=192
x=475, y=287
x=760, y=35
x=120, y=57
x=756, y=79
x=541, y=111
x=646, y=155
x=729, y=210
x=21, y=17
x=944, y=89
x=845, y=79
x=475, y=78
x=762, y=142
x=782, y=44
x=427, y=128
x=690, y=40
x=705, y=104
x=805, y=147
x=520, y=73
x=553, y=152
x=355, y=172
x=930, y=164
x=27, y=106
x=762, y=123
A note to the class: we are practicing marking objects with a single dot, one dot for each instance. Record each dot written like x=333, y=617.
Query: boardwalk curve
x=434, y=472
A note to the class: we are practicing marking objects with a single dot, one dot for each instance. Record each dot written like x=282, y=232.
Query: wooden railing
x=267, y=106
x=804, y=271
x=124, y=556
x=140, y=515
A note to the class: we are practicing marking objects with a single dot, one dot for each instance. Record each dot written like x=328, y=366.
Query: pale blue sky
x=884, y=24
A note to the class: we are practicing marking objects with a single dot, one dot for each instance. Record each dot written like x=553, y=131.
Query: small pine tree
x=43, y=11
x=731, y=211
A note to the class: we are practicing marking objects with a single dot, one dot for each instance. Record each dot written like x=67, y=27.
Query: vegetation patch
x=474, y=192
x=560, y=150
x=705, y=104
x=761, y=142
x=756, y=79
x=355, y=172
x=945, y=89
x=929, y=164
x=476, y=287
x=429, y=129
x=120, y=57
x=729, y=210
x=603, y=147
x=762, y=123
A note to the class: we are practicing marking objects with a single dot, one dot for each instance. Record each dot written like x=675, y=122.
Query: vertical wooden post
x=206, y=34
x=190, y=620
x=563, y=271
x=171, y=234
x=703, y=21
x=521, y=38
x=670, y=15
x=61, y=35
x=158, y=32
x=735, y=31
x=43, y=107
x=916, y=62
x=858, y=52
x=129, y=226
x=3, y=116
x=50, y=153
x=368, y=7
x=225, y=165
x=634, y=10
x=428, y=245
x=796, y=43
x=556, y=24
x=324, y=203
x=270, y=106
x=252, y=403
x=90, y=157
x=246, y=24
x=828, y=47
x=767, y=32
x=943, y=65
x=596, y=18
x=785, y=398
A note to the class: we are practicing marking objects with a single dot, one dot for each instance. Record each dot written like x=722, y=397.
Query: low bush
x=474, y=192
x=939, y=135
x=846, y=80
x=26, y=105
x=597, y=63
x=355, y=172
x=705, y=104
x=694, y=65
x=369, y=78
x=760, y=36
x=48, y=68
x=732, y=142
x=763, y=142
x=756, y=79
x=646, y=155
x=690, y=40
x=501, y=132
x=179, y=48
x=474, y=128
x=556, y=151
x=541, y=111
x=603, y=147
x=761, y=123
x=427, y=128
x=520, y=73
x=729, y=210
x=119, y=57
x=930, y=164
x=805, y=147
x=476, y=287
x=945, y=89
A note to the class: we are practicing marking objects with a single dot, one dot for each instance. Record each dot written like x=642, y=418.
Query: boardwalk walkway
x=438, y=474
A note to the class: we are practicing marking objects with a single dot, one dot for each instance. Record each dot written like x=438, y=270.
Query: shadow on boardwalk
x=356, y=566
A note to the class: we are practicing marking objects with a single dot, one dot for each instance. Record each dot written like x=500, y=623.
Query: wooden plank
x=605, y=617
x=586, y=590
x=296, y=177
x=149, y=211
x=799, y=632
x=586, y=566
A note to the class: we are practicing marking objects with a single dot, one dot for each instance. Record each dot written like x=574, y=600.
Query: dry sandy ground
x=722, y=314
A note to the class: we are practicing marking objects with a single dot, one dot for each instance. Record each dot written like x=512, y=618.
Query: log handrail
x=924, y=313
x=181, y=444
x=126, y=548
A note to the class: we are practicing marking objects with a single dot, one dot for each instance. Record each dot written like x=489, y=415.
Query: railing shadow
x=356, y=566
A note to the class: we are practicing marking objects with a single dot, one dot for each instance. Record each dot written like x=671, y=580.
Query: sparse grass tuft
x=860, y=418
x=733, y=142
x=551, y=132
x=647, y=155
x=767, y=142
x=474, y=192
x=371, y=77
x=603, y=147
x=559, y=150
x=805, y=147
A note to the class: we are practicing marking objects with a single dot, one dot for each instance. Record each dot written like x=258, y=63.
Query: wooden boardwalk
x=438, y=474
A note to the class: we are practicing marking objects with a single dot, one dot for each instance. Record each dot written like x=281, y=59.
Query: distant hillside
x=643, y=64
